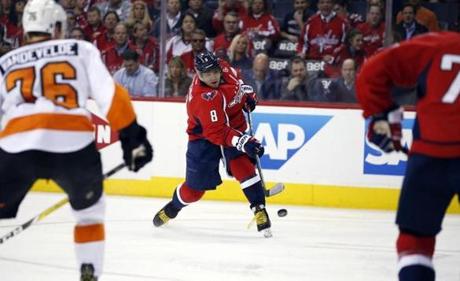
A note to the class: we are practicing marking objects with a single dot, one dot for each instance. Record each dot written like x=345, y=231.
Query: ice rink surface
x=209, y=241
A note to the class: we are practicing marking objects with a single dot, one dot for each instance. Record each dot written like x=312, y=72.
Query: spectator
x=297, y=86
x=198, y=46
x=14, y=31
x=95, y=27
x=295, y=20
x=260, y=24
x=77, y=33
x=423, y=16
x=5, y=46
x=139, y=13
x=231, y=29
x=177, y=82
x=353, y=48
x=146, y=46
x=265, y=82
x=322, y=34
x=180, y=43
x=105, y=40
x=224, y=7
x=71, y=23
x=203, y=16
x=352, y=20
x=409, y=27
x=121, y=7
x=113, y=56
x=173, y=19
x=343, y=88
x=140, y=81
x=373, y=30
x=239, y=54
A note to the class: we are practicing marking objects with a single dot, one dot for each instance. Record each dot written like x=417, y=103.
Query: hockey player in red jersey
x=432, y=63
x=216, y=126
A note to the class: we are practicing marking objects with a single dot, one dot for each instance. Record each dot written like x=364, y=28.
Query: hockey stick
x=277, y=188
x=49, y=210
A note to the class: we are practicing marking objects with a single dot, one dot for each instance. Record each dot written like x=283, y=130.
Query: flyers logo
x=209, y=95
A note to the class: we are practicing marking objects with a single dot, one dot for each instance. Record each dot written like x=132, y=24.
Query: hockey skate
x=167, y=213
x=87, y=272
x=262, y=220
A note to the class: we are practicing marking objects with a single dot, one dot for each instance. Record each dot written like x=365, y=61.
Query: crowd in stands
x=295, y=50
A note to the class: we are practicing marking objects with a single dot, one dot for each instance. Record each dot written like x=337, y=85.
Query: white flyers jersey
x=43, y=94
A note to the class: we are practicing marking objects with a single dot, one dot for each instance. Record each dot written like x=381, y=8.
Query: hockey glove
x=385, y=130
x=250, y=146
x=251, y=98
x=137, y=150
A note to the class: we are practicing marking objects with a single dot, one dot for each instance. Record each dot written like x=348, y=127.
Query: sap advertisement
x=303, y=145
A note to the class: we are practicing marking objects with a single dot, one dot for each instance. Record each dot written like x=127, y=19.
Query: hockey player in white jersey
x=47, y=132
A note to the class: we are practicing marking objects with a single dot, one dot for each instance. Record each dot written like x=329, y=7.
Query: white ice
x=209, y=241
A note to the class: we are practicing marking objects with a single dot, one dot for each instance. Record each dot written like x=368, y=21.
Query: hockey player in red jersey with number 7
x=47, y=131
x=432, y=64
x=216, y=130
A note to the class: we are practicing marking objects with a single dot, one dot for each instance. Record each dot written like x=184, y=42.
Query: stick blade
x=277, y=188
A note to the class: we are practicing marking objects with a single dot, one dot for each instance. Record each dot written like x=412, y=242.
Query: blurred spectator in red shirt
x=198, y=41
x=231, y=28
x=95, y=27
x=322, y=34
x=203, y=16
x=353, y=48
x=14, y=31
x=113, y=57
x=295, y=20
x=373, y=30
x=260, y=24
x=341, y=8
x=139, y=13
x=105, y=40
x=224, y=7
x=146, y=46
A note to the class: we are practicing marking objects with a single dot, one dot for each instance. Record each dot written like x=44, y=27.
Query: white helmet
x=42, y=16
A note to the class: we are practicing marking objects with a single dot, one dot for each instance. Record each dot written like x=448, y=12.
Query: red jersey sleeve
x=398, y=65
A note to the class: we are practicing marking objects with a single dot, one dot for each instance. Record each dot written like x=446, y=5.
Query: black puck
x=282, y=212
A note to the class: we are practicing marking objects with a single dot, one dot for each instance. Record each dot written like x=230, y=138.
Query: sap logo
x=103, y=133
x=377, y=162
x=284, y=134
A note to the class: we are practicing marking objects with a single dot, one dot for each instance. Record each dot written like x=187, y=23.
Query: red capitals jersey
x=372, y=37
x=321, y=36
x=432, y=62
x=264, y=26
x=216, y=114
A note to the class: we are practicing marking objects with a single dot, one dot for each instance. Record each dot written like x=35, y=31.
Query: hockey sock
x=184, y=195
x=254, y=193
x=415, y=257
x=89, y=235
x=244, y=171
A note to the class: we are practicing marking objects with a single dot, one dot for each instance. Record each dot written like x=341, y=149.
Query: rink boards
x=321, y=154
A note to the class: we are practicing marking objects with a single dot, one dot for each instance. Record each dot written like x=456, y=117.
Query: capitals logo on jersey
x=208, y=96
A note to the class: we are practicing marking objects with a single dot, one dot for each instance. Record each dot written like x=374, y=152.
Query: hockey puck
x=282, y=212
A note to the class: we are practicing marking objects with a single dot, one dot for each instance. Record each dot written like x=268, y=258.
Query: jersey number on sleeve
x=62, y=94
x=447, y=63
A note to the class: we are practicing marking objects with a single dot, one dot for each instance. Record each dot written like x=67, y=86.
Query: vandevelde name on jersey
x=39, y=52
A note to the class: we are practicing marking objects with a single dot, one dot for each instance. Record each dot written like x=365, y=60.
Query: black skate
x=262, y=220
x=165, y=214
x=87, y=272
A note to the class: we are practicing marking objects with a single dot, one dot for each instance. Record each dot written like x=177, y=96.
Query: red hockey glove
x=250, y=146
x=137, y=150
x=251, y=98
x=385, y=130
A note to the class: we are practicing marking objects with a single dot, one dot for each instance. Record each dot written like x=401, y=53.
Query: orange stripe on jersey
x=121, y=112
x=89, y=233
x=53, y=121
